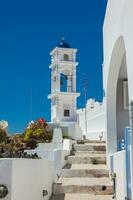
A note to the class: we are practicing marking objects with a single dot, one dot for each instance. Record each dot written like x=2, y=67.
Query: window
x=66, y=113
x=66, y=57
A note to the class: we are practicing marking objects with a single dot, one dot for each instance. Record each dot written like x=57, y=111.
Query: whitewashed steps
x=91, y=141
x=85, y=176
x=86, y=170
x=97, y=186
x=59, y=197
x=78, y=153
x=90, y=147
x=87, y=159
x=95, y=141
x=80, y=196
x=88, y=166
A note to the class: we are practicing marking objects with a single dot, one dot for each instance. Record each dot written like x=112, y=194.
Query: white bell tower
x=63, y=83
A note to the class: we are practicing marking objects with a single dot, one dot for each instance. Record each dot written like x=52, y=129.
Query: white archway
x=117, y=115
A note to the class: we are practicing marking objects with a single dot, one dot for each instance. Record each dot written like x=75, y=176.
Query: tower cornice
x=64, y=63
x=63, y=49
x=59, y=94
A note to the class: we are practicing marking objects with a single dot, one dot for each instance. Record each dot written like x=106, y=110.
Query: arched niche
x=116, y=95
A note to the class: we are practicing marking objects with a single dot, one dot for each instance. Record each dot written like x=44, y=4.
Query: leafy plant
x=94, y=161
x=38, y=131
x=13, y=146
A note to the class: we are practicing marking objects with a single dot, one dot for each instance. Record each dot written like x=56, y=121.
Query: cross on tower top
x=63, y=43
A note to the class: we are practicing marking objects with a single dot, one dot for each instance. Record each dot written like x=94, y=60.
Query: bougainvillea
x=38, y=131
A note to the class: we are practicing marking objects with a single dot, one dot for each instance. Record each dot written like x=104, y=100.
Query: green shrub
x=94, y=161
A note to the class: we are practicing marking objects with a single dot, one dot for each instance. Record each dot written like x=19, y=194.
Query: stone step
x=57, y=188
x=84, y=173
x=90, y=141
x=87, y=159
x=90, y=147
x=89, y=152
x=95, y=141
x=88, y=166
x=80, y=196
x=97, y=186
x=58, y=197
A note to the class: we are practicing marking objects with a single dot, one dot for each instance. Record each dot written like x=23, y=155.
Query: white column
x=74, y=81
x=57, y=80
x=52, y=81
x=69, y=83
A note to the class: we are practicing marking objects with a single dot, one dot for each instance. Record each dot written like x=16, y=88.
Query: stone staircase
x=86, y=176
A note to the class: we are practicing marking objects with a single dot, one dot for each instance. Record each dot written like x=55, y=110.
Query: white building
x=63, y=89
x=92, y=120
x=118, y=85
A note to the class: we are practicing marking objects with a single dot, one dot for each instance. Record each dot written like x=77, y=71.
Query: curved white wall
x=118, y=39
x=119, y=167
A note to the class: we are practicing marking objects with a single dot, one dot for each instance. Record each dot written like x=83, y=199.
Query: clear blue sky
x=29, y=29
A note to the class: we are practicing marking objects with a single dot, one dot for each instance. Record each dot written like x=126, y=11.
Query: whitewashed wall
x=6, y=175
x=118, y=41
x=55, y=153
x=26, y=178
x=95, y=115
x=67, y=146
x=119, y=167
